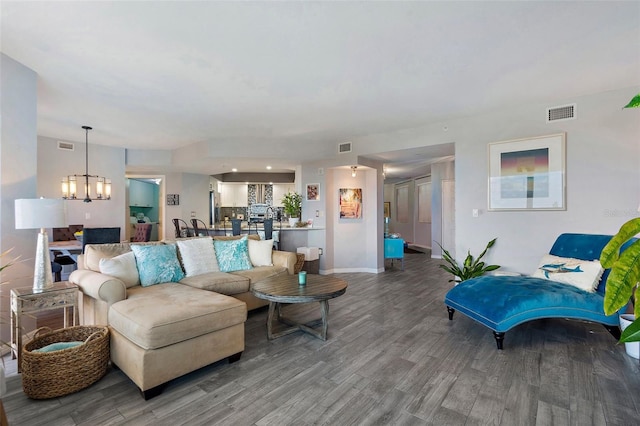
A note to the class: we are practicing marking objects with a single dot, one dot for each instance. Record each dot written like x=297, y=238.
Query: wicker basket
x=299, y=263
x=52, y=374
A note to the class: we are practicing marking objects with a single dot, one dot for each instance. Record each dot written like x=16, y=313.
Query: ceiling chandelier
x=70, y=183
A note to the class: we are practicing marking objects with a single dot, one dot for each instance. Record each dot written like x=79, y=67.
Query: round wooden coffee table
x=285, y=289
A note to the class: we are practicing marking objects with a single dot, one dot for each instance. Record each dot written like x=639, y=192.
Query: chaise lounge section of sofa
x=162, y=331
x=503, y=302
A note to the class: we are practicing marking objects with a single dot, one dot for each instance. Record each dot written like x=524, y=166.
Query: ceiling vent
x=65, y=146
x=343, y=148
x=561, y=113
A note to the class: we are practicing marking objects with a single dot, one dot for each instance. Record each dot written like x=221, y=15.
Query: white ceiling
x=280, y=80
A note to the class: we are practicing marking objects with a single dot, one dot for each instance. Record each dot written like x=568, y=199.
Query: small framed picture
x=350, y=203
x=173, y=199
x=313, y=191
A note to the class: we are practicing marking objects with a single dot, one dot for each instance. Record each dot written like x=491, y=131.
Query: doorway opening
x=144, y=202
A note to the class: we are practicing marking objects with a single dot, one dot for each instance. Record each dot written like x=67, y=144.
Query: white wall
x=107, y=161
x=603, y=176
x=405, y=229
x=311, y=174
x=422, y=230
x=439, y=172
x=18, y=88
x=194, y=197
x=603, y=173
x=195, y=190
x=354, y=245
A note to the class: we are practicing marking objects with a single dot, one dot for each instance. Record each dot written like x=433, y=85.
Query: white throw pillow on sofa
x=122, y=267
x=198, y=256
x=584, y=274
x=260, y=252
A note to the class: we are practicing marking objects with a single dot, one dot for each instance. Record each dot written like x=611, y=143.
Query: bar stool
x=236, y=226
x=199, y=227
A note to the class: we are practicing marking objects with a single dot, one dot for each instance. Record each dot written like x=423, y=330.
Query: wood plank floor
x=392, y=358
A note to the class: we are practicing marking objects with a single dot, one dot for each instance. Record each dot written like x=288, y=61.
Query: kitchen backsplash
x=256, y=191
x=234, y=212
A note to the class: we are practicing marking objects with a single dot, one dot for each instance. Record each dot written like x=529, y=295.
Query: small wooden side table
x=24, y=301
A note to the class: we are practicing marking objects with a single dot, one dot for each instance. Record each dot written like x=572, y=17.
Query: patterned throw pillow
x=157, y=264
x=198, y=256
x=583, y=274
x=233, y=255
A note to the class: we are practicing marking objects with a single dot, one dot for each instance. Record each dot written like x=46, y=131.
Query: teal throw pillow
x=233, y=255
x=157, y=264
x=58, y=346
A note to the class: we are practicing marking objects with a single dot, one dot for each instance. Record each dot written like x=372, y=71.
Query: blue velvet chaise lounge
x=503, y=302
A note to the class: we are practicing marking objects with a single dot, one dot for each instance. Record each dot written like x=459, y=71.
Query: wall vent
x=66, y=146
x=560, y=113
x=343, y=148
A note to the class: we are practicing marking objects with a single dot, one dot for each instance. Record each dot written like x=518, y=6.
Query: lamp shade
x=33, y=213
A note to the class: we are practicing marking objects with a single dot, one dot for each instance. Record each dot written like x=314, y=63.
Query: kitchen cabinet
x=280, y=190
x=141, y=194
x=234, y=195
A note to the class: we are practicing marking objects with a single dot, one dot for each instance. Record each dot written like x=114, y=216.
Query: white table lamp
x=41, y=213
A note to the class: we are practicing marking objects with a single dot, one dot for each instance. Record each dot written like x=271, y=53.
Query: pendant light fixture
x=354, y=171
x=70, y=183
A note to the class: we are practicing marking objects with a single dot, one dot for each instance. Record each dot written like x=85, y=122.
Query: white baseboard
x=349, y=270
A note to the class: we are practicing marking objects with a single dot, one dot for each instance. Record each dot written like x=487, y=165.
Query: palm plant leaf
x=611, y=251
x=471, y=267
x=634, y=103
x=625, y=268
x=624, y=276
x=631, y=333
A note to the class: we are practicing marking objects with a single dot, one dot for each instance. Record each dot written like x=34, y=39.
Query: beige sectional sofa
x=164, y=330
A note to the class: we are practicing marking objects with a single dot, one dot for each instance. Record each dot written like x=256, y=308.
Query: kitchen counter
x=276, y=227
x=288, y=238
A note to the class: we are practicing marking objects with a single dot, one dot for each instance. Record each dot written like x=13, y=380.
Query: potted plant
x=624, y=277
x=471, y=268
x=292, y=202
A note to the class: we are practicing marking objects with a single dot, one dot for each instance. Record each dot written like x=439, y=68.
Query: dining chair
x=268, y=229
x=182, y=228
x=100, y=236
x=142, y=233
x=236, y=226
x=56, y=269
x=64, y=234
x=199, y=227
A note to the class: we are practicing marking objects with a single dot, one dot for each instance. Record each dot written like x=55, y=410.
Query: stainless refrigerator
x=214, y=208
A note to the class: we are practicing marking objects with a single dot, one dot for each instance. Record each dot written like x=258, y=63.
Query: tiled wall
x=268, y=194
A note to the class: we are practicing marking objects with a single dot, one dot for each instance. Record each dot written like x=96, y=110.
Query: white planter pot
x=633, y=349
x=293, y=221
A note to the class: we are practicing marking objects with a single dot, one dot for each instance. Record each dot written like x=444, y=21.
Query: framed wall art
x=350, y=203
x=528, y=174
x=313, y=191
x=173, y=199
x=387, y=209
